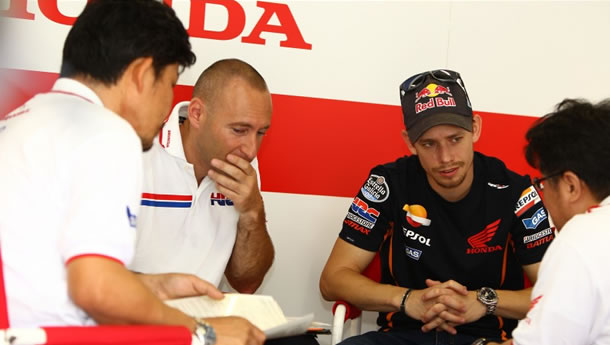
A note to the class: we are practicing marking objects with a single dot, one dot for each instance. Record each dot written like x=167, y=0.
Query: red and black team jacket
x=482, y=240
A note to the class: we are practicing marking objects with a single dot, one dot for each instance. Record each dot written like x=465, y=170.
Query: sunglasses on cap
x=440, y=74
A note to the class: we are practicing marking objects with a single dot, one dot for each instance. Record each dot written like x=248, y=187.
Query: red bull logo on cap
x=431, y=91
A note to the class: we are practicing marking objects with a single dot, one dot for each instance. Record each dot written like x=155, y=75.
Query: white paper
x=262, y=311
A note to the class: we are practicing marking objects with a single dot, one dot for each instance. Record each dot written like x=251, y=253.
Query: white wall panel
x=523, y=57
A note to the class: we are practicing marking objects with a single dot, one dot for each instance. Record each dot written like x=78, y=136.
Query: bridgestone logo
x=360, y=221
x=537, y=236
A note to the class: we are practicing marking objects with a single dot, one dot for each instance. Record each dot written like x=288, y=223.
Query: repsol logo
x=412, y=235
x=233, y=28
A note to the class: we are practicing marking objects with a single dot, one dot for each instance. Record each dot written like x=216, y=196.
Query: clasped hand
x=444, y=305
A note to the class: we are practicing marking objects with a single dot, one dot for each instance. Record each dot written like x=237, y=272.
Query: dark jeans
x=409, y=337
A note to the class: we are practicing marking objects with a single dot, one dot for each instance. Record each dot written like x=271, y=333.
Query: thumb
x=204, y=288
x=431, y=283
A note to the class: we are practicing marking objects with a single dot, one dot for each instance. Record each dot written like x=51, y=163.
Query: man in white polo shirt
x=570, y=300
x=202, y=211
x=71, y=179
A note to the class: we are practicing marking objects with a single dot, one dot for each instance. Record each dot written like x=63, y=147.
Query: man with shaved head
x=202, y=210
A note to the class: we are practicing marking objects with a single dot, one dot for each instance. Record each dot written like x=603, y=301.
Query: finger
x=228, y=169
x=437, y=322
x=433, y=293
x=452, y=317
x=231, y=192
x=241, y=163
x=457, y=287
x=448, y=328
x=452, y=303
x=433, y=312
x=228, y=183
x=431, y=283
x=259, y=336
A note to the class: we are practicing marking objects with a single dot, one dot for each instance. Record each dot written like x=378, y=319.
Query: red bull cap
x=434, y=98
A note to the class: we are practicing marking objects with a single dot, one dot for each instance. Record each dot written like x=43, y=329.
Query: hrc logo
x=362, y=209
x=220, y=199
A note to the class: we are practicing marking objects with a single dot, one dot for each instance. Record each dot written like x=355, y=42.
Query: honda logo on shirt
x=478, y=242
x=220, y=199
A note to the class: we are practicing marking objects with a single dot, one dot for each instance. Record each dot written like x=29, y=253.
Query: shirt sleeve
x=103, y=198
x=559, y=313
x=366, y=222
x=532, y=231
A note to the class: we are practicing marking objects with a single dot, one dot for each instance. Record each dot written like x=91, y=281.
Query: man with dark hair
x=450, y=225
x=205, y=161
x=71, y=174
x=570, y=299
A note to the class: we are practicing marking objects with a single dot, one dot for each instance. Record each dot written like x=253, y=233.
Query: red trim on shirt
x=592, y=208
x=71, y=94
x=167, y=197
x=3, y=307
x=94, y=255
x=10, y=116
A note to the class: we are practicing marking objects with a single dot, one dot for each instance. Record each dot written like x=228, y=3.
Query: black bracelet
x=404, y=300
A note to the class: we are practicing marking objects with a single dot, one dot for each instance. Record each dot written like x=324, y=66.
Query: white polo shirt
x=69, y=181
x=182, y=227
x=571, y=298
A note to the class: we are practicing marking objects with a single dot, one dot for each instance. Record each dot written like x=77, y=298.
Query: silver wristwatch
x=489, y=298
x=481, y=341
x=205, y=333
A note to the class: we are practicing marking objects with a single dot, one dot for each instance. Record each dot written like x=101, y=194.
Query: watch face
x=488, y=295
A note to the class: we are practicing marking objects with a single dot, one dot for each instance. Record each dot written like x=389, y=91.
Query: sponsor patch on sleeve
x=533, y=222
x=544, y=233
x=376, y=189
x=528, y=198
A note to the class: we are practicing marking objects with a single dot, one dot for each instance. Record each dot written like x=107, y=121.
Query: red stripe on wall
x=327, y=147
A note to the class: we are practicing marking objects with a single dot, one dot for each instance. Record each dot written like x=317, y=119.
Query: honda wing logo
x=478, y=242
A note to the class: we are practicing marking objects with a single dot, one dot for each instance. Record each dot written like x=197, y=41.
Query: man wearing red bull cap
x=455, y=230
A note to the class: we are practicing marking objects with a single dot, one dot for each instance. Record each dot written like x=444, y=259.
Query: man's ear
x=405, y=137
x=196, y=112
x=477, y=126
x=131, y=86
x=139, y=73
x=572, y=187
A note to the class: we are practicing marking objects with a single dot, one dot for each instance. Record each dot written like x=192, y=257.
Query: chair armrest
x=351, y=312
